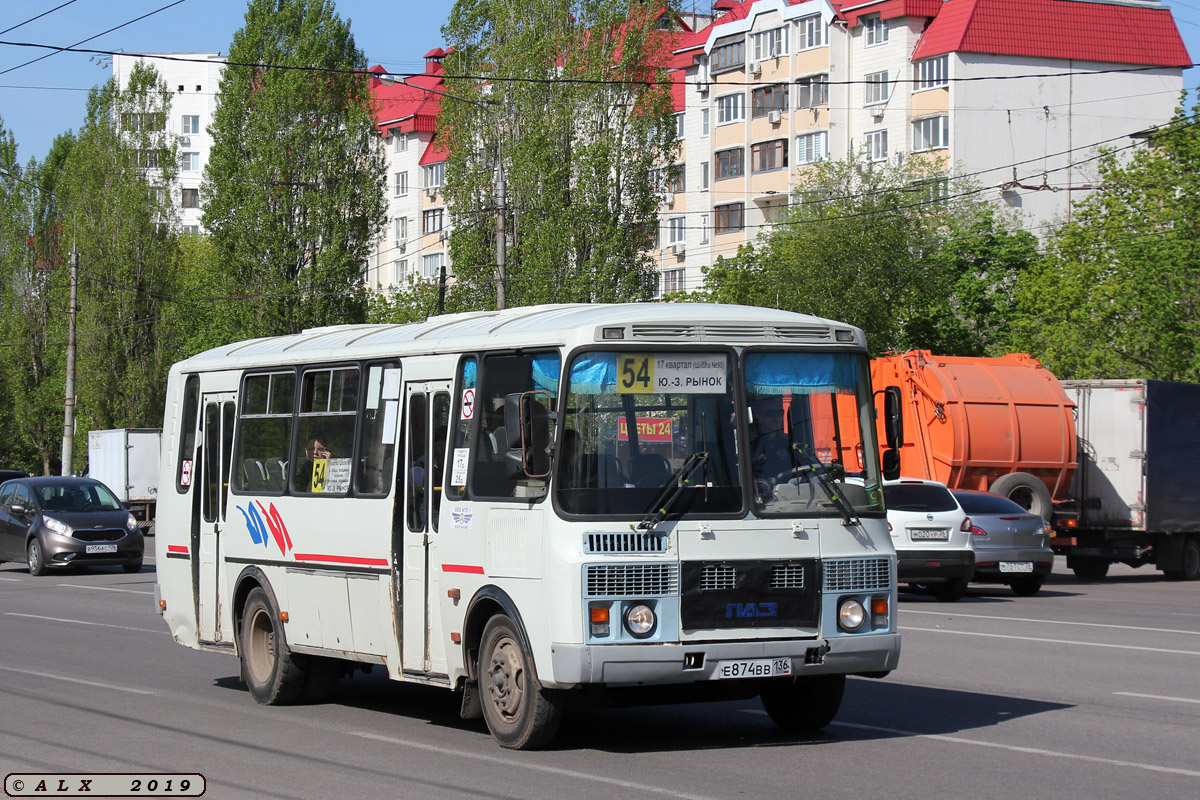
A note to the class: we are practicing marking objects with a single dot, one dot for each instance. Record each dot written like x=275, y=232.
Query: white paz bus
x=645, y=502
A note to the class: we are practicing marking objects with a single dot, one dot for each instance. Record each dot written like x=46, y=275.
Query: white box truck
x=1134, y=496
x=126, y=461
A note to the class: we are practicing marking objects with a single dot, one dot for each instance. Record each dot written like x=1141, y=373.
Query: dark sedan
x=1011, y=544
x=59, y=523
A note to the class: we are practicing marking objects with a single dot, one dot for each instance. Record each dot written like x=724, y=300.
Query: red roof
x=1057, y=29
x=434, y=153
x=406, y=105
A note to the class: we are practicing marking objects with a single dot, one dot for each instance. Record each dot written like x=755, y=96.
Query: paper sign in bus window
x=671, y=373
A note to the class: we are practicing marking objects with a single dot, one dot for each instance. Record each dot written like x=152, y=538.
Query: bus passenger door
x=427, y=406
x=217, y=435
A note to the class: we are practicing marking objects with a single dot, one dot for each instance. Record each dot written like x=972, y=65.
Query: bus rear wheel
x=804, y=704
x=518, y=711
x=271, y=673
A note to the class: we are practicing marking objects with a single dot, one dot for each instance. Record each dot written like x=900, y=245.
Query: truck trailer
x=126, y=461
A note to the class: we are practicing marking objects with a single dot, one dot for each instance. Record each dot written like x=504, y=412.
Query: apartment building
x=414, y=245
x=1016, y=94
x=193, y=79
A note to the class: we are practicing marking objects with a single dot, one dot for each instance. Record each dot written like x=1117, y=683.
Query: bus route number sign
x=671, y=373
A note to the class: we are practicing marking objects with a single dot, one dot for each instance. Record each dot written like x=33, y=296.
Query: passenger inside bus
x=770, y=449
x=314, y=450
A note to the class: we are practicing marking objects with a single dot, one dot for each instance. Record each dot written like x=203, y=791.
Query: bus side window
x=325, y=436
x=417, y=462
x=187, y=434
x=265, y=433
x=377, y=428
x=467, y=372
x=441, y=419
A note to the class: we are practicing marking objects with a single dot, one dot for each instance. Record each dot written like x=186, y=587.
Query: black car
x=12, y=474
x=59, y=523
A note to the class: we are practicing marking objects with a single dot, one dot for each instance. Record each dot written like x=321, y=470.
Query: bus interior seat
x=254, y=475
x=276, y=474
x=601, y=471
x=649, y=470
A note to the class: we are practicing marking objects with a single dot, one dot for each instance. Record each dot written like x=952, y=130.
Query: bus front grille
x=630, y=580
x=856, y=574
x=627, y=542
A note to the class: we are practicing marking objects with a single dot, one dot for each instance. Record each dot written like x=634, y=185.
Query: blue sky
x=39, y=101
x=42, y=100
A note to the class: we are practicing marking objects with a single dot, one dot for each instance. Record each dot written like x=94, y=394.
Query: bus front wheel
x=518, y=711
x=804, y=704
x=271, y=673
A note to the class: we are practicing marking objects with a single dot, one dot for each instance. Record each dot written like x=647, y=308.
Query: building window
x=811, y=33
x=704, y=122
x=768, y=44
x=729, y=163
x=675, y=179
x=875, y=145
x=703, y=174
x=190, y=123
x=812, y=147
x=400, y=142
x=399, y=230
x=729, y=218
x=768, y=155
x=147, y=159
x=401, y=184
x=676, y=230
x=431, y=265
x=731, y=108
x=931, y=133
x=191, y=198
x=152, y=121
x=704, y=229
x=679, y=120
x=191, y=229
x=932, y=72
x=769, y=98
x=727, y=55
x=934, y=190
x=189, y=162
x=875, y=29
x=400, y=271
x=673, y=280
x=431, y=220
x=812, y=91
x=876, y=89
x=434, y=174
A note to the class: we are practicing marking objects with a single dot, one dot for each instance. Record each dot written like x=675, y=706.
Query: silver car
x=1010, y=543
x=931, y=534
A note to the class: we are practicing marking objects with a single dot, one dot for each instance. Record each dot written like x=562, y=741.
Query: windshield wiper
x=672, y=489
x=813, y=465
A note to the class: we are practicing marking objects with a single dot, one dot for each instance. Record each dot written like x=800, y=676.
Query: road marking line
x=1018, y=749
x=81, y=622
x=1159, y=697
x=78, y=680
x=510, y=762
x=12, y=580
x=1050, y=622
x=1053, y=641
x=103, y=588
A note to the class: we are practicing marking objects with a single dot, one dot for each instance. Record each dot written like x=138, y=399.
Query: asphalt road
x=1087, y=690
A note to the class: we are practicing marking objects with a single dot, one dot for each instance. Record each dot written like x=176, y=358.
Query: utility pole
x=501, y=202
x=68, y=444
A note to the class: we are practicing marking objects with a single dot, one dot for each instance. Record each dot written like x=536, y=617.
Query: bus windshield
x=634, y=424
x=811, y=433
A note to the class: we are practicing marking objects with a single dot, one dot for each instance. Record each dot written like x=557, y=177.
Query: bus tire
x=272, y=674
x=518, y=711
x=804, y=704
x=1026, y=491
x=950, y=591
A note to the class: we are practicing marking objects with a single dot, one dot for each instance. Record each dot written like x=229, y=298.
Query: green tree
x=118, y=212
x=1118, y=295
x=576, y=108
x=912, y=258
x=293, y=192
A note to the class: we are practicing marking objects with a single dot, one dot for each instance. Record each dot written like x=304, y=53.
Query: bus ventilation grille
x=856, y=574
x=731, y=333
x=630, y=542
x=631, y=580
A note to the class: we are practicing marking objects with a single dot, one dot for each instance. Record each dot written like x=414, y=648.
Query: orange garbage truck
x=1003, y=425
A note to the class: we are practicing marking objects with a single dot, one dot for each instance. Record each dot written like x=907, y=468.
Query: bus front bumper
x=685, y=662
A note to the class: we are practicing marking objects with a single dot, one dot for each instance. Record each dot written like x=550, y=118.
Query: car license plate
x=100, y=548
x=929, y=534
x=757, y=668
x=1016, y=566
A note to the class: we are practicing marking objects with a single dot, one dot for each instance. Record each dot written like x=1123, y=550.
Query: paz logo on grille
x=744, y=610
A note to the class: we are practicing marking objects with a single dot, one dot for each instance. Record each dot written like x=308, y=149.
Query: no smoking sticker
x=468, y=403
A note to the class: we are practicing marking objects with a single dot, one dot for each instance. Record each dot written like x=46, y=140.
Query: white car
x=932, y=537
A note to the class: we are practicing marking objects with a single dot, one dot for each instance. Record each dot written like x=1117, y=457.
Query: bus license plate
x=1016, y=566
x=758, y=668
x=101, y=548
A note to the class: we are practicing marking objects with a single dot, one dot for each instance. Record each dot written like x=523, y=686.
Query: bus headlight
x=640, y=620
x=851, y=614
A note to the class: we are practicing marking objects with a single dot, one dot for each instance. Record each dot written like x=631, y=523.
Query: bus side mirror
x=893, y=417
x=891, y=464
x=527, y=429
